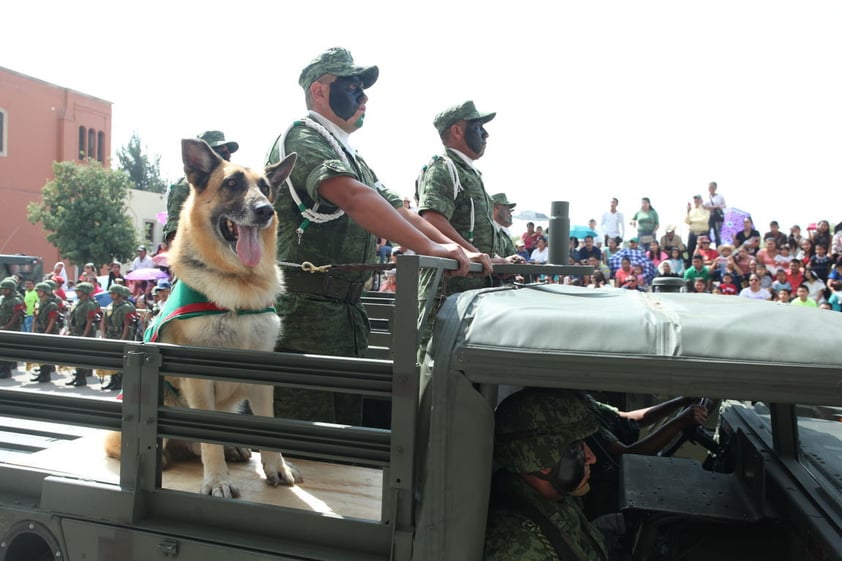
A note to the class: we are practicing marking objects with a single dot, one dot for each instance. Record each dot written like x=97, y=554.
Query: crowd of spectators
x=795, y=268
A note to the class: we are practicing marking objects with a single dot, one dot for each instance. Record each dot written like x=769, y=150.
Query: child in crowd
x=727, y=286
x=676, y=262
x=780, y=281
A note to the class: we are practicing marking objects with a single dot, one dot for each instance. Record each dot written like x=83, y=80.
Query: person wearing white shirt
x=142, y=261
x=611, y=225
x=542, y=253
x=716, y=205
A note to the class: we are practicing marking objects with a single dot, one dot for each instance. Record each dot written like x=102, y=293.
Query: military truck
x=771, y=489
x=27, y=266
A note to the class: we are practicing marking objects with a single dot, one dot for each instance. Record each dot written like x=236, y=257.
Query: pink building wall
x=40, y=125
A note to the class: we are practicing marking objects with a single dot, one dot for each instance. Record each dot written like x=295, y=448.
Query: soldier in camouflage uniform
x=12, y=312
x=451, y=192
x=503, y=219
x=331, y=211
x=118, y=322
x=83, y=320
x=536, y=514
x=48, y=321
x=178, y=192
x=452, y=197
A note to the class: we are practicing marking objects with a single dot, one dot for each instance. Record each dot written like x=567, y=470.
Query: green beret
x=9, y=283
x=500, y=199
x=533, y=427
x=44, y=286
x=339, y=62
x=217, y=138
x=85, y=287
x=466, y=111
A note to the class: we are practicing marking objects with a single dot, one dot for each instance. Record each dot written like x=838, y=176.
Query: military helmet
x=9, y=283
x=121, y=290
x=44, y=286
x=53, y=284
x=534, y=426
x=85, y=287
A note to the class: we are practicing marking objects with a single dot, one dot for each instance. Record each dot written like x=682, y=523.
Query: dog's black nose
x=264, y=211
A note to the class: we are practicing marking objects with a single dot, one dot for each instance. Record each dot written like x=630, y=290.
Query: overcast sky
x=593, y=99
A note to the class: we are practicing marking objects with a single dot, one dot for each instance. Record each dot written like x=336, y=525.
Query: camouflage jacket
x=333, y=242
x=176, y=196
x=48, y=310
x=510, y=535
x=505, y=246
x=80, y=313
x=10, y=306
x=116, y=318
x=437, y=192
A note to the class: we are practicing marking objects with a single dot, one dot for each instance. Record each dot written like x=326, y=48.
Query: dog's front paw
x=219, y=488
x=281, y=472
x=235, y=454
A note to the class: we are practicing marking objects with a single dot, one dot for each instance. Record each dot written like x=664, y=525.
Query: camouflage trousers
x=315, y=325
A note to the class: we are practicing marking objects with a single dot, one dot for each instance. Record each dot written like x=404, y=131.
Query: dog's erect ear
x=199, y=161
x=278, y=173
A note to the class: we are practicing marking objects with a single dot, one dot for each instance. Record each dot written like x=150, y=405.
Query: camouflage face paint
x=475, y=135
x=346, y=96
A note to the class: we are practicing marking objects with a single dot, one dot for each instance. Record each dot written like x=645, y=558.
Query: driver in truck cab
x=536, y=510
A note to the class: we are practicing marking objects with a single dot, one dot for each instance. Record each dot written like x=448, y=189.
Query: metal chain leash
x=308, y=267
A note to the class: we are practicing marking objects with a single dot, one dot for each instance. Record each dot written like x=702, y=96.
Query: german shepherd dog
x=225, y=250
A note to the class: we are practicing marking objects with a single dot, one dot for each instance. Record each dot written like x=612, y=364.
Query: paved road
x=21, y=380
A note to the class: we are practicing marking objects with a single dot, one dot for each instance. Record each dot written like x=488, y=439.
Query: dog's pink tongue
x=248, y=246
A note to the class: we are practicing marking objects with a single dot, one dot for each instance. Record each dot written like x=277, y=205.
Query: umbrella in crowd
x=150, y=273
x=581, y=231
x=733, y=223
x=531, y=215
x=636, y=257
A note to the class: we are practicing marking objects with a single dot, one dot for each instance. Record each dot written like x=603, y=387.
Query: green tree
x=84, y=211
x=144, y=172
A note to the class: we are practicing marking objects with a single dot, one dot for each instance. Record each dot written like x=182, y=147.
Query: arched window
x=82, y=151
x=3, y=126
x=100, y=142
x=91, y=143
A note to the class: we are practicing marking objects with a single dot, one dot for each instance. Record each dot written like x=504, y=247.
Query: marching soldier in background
x=118, y=322
x=47, y=320
x=84, y=318
x=12, y=312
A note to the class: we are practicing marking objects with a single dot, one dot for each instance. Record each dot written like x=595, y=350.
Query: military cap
x=339, y=62
x=534, y=426
x=44, y=286
x=85, y=287
x=120, y=289
x=217, y=138
x=467, y=111
x=9, y=283
x=501, y=199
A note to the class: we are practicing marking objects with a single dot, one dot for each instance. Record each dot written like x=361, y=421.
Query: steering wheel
x=696, y=434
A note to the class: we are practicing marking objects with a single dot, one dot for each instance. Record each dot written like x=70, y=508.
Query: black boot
x=44, y=377
x=114, y=383
x=81, y=379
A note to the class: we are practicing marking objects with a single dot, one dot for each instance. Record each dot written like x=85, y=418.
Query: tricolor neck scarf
x=186, y=303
